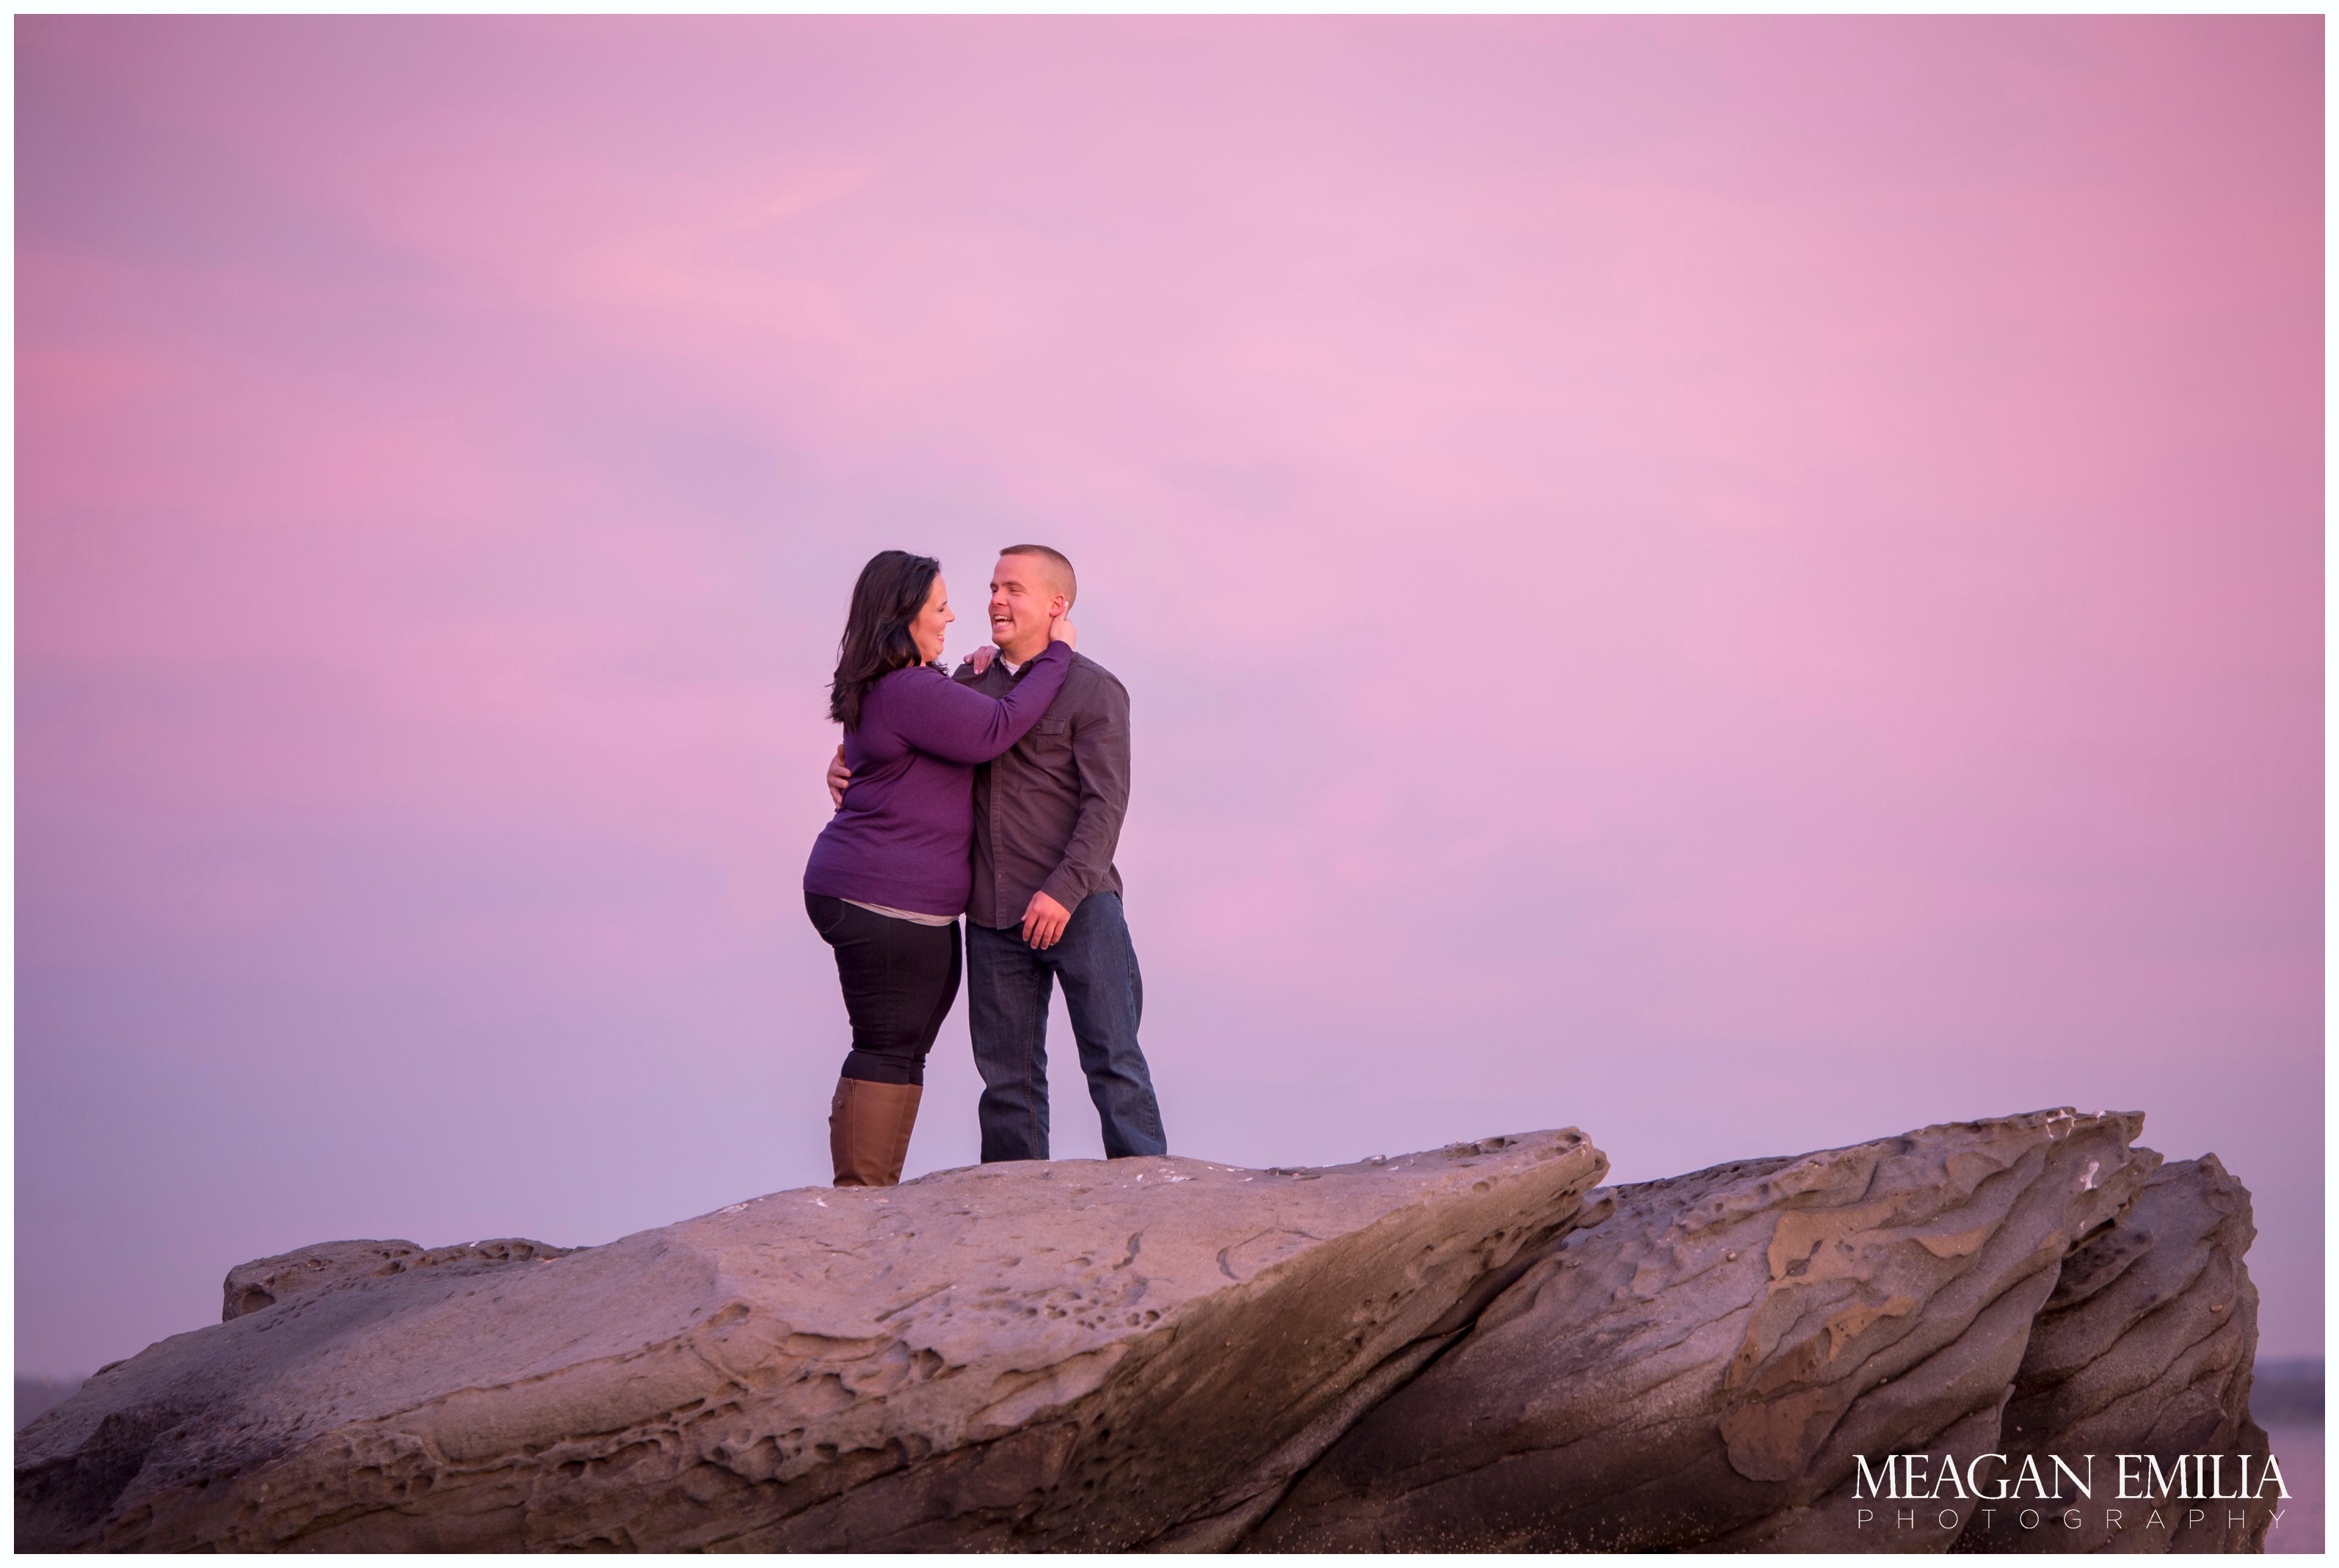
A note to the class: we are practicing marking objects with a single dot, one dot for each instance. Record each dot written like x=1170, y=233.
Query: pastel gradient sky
x=1743, y=584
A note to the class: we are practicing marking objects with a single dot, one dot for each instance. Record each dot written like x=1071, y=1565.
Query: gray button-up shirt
x=1046, y=816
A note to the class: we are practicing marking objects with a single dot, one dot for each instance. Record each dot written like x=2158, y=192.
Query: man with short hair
x=1046, y=903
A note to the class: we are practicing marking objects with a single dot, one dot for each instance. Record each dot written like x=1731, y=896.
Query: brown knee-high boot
x=869, y=1130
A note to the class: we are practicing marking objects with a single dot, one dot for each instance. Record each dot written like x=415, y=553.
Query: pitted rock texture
x=265, y=1281
x=1458, y=1350
x=64, y=1492
x=2145, y=1348
x=1698, y=1368
x=1067, y=1355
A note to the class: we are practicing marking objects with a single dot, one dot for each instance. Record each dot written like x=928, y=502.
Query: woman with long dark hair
x=890, y=873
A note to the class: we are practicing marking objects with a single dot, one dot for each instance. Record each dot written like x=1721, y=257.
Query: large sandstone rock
x=1459, y=1350
x=2145, y=1348
x=1700, y=1367
x=1074, y=1355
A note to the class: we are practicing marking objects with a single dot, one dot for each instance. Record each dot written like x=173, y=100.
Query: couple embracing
x=995, y=792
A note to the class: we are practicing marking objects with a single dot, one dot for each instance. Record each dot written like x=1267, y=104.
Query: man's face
x=1022, y=596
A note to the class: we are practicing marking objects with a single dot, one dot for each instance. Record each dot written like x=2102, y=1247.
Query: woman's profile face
x=926, y=631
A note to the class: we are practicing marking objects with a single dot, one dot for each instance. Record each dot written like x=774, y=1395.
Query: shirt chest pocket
x=1050, y=740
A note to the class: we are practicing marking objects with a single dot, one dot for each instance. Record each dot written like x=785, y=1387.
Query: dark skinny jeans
x=899, y=979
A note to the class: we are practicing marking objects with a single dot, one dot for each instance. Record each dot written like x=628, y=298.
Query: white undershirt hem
x=911, y=915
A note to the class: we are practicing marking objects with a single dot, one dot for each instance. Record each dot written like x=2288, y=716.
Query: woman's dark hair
x=893, y=589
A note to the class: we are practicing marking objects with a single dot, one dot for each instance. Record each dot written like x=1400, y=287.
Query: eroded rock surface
x=2145, y=1348
x=265, y=1281
x=1700, y=1367
x=1072, y=1355
x=1470, y=1350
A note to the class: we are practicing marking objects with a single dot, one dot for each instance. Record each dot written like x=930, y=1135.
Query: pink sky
x=1743, y=584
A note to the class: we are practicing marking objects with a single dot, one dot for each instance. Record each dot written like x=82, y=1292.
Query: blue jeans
x=1008, y=984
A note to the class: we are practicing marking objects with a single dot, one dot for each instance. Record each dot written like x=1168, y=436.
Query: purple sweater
x=903, y=836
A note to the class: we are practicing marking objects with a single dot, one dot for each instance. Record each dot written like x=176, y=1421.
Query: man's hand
x=1043, y=920
x=981, y=658
x=839, y=775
